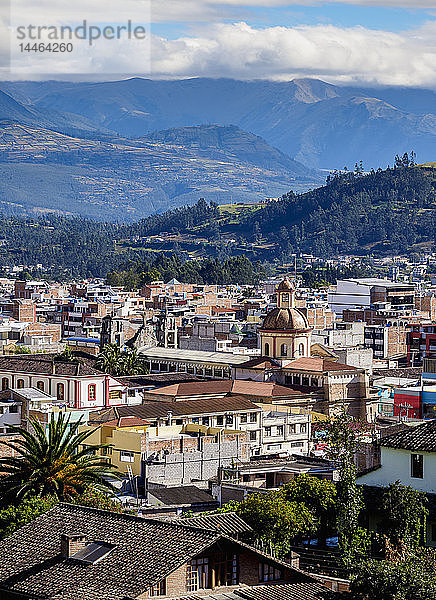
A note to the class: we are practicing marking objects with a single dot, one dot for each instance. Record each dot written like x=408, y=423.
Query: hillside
x=388, y=212
x=43, y=171
x=318, y=124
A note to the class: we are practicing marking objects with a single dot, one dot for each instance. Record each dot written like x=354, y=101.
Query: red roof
x=129, y=421
x=318, y=365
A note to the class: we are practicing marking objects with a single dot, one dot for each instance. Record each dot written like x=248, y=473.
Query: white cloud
x=233, y=49
x=339, y=55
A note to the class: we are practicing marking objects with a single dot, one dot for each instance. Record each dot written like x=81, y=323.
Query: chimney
x=72, y=543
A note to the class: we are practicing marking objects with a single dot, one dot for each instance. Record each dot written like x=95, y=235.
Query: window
x=229, y=419
x=226, y=569
x=40, y=385
x=106, y=451
x=301, y=349
x=253, y=417
x=280, y=430
x=266, y=352
x=60, y=391
x=220, y=420
x=243, y=417
x=160, y=589
x=303, y=428
x=253, y=436
x=115, y=394
x=92, y=389
x=126, y=456
x=5, y=383
x=292, y=428
x=284, y=349
x=20, y=384
x=205, y=420
x=13, y=408
x=197, y=575
x=417, y=466
x=267, y=431
x=268, y=572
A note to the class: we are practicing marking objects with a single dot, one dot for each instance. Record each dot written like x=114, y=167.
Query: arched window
x=301, y=349
x=40, y=385
x=284, y=349
x=5, y=383
x=60, y=391
x=91, y=391
x=20, y=384
x=267, y=349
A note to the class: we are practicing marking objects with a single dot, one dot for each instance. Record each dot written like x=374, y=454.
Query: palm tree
x=116, y=362
x=53, y=462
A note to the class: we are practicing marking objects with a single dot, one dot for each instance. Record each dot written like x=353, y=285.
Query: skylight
x=93, y=552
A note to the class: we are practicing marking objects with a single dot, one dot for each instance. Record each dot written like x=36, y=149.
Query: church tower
x=285, y=333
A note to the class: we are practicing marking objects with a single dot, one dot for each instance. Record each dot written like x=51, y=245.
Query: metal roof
x=226, y=358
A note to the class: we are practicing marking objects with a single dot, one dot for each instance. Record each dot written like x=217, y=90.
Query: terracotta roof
x=237, y=386
x=261, y=362
x=419, y=438
x=285, y=319
x=317, y=364
x=47, y=365
x=129, y=421
x=156, y=410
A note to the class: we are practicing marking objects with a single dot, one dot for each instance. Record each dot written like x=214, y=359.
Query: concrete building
x=365, y=293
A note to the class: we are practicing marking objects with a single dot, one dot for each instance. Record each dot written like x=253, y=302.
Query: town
x=206, y=400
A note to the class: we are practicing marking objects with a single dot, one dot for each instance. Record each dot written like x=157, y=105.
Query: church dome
x=285, y=319
x=286, y=286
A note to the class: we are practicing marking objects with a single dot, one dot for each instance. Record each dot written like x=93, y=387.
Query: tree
x=404, y=515
x=52, y=462
x=353, y=540
x=14, y=517
x=276, y=522
x=319, y=496
x=413, y=578
x=119, y=362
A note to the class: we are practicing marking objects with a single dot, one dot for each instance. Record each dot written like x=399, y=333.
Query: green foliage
x=353, y=540
x=236, y=269
x=276, y=523
x=14, y=517
x=319, y=496
x=413, y=578
x=119, y=362
x=95, y=498
x=52, y=462
x=404, y=515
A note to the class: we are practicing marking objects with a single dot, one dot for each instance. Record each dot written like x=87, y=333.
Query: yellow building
x=126, y=436
x=285, y=333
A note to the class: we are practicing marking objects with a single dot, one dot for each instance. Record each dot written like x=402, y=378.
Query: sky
x=365, y=42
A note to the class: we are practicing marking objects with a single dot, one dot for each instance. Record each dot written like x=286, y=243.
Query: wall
x=396, y=466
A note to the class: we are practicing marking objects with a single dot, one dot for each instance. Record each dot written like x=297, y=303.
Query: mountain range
x=126, y=149
x=318, y=124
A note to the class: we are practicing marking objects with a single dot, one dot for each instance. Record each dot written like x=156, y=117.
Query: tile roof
x=236, y=386
x=184, y=494
x=129, y=421
x=145, y=552
x=318, y=365
x=421, y=438
x=260, y=362
x=228, y=523
x=156, y=410
x=274, y=591
x=47, y=365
